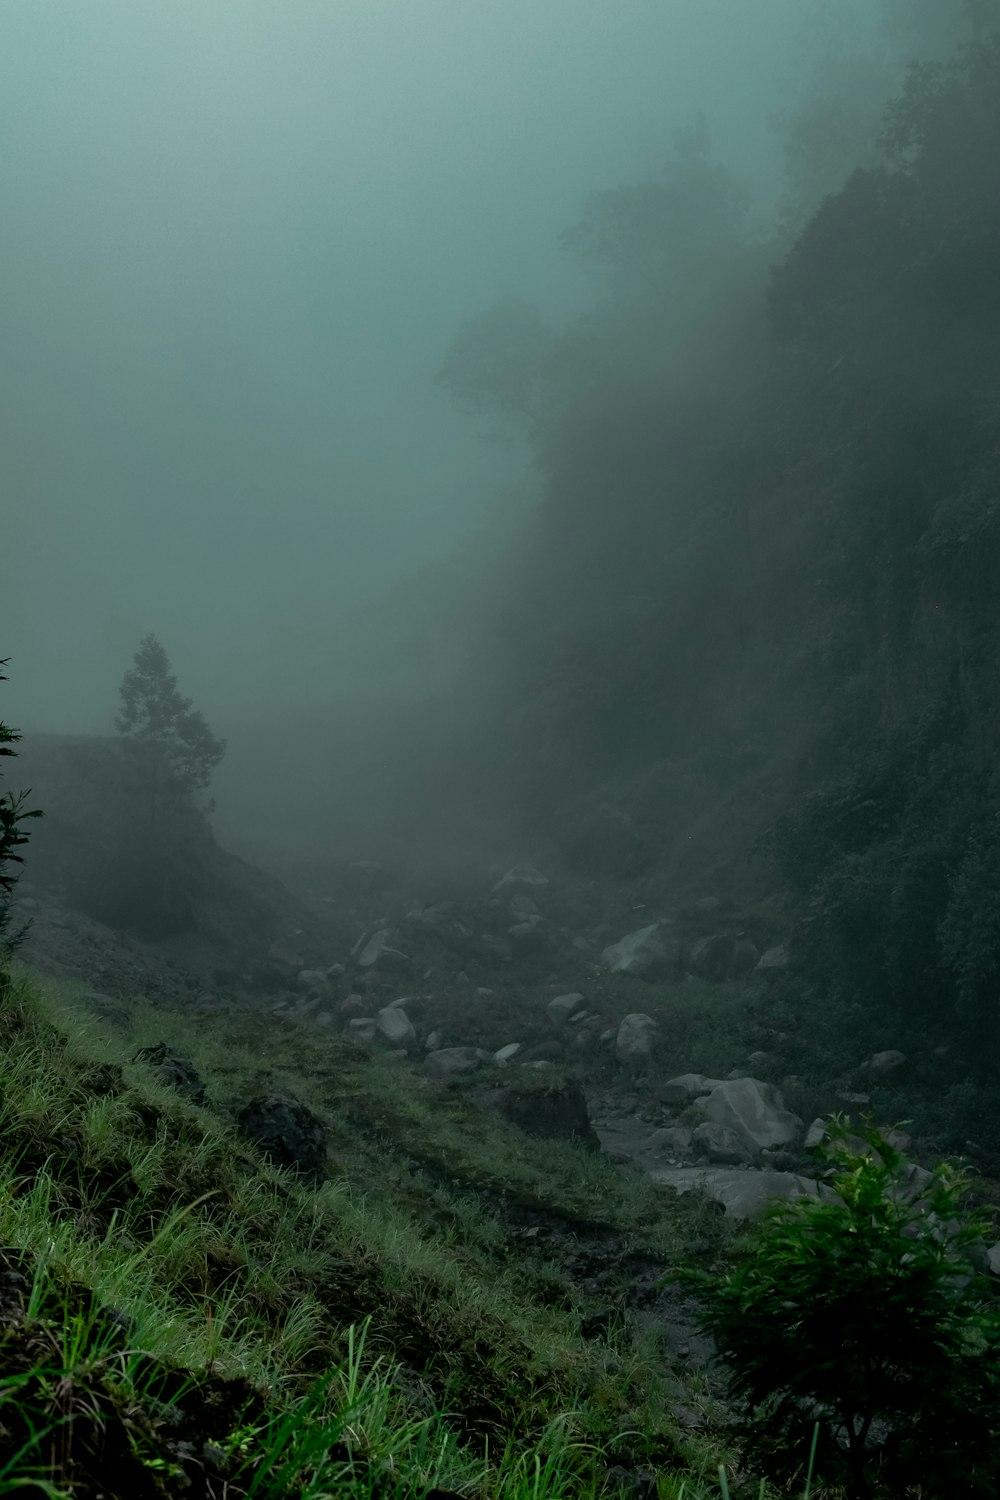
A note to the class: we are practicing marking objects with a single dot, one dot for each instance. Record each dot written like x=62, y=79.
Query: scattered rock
x=881, y=1064
x=313, y=981
x=755, y=1111
x=454, y=1062
x=170, y=1068
x=687, y=1087
x=377, y=950
x=564, y=1006
x=720, y=1144
x=396, y=1027
x=286, y=1131
x=674, y=1138
x=634, y=1042
x=743, y=1193
x=649, y=950
x=772, y=961
x=558, y=1112
x=723, y=956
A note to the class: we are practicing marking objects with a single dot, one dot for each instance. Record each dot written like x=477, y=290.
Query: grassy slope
x=168, y=1298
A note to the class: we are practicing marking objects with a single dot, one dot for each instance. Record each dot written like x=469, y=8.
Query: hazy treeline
x=752, y=609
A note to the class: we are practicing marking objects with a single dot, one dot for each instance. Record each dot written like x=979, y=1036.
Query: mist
x=236, y=242
x=239, y=245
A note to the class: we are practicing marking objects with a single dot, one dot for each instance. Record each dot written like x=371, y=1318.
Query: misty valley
x=499, y=797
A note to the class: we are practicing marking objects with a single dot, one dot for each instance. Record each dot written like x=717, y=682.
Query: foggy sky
x=235, y=240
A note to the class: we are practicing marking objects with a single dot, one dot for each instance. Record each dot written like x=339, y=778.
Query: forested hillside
x=756, y=614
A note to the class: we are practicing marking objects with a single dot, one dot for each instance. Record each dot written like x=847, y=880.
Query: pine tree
x=170, y=740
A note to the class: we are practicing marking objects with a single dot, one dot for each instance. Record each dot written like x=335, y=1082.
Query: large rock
x=720, y=1144
x=556, y=1112
x=723, y=956
x=377, y=950
x=168, y=1067
x=755, y=1111
x=881, y=1064
x=397, y=1028
x=564, y=1006
x=287, y=1132
x=688, y=1086
x=454, y=1062
x=527, y=937
x=743, y=1194
x=520, y=877
x=634, y=1042
x=649, y=950
x=772, y=961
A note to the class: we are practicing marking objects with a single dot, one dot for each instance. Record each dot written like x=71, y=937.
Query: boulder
x=634, y=1042
x=688, y=1086
x=313, y=981
x=172, y=1069
x=362, y=1028
x=674, y=1138
x=396, y=1027
x=286, y=1131
x=649, y=950
x=378, y=951
x=755, y=1111
x=720, y=1144
x=453, y=1062
x=723, y=956
x=772, y=961
x=527, y=937
x=564, y=1006
x=506, y=1054
x=354, y=1005
x=743, y=1193
x=557, y=1112
x=881, y=1064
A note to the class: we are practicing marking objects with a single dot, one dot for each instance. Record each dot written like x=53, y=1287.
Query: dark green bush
x=867, y=1313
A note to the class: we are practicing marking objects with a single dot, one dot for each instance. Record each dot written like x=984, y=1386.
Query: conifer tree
x=170, y=740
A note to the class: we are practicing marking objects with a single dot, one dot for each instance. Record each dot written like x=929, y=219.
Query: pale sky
x=236, y=237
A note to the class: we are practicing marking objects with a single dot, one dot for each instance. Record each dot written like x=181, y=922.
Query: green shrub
x=866, y=1312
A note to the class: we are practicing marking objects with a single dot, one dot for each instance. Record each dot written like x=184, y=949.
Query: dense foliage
x=760, y=591
x=868, y=1314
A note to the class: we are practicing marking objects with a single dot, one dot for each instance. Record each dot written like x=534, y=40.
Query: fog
x=237, y=240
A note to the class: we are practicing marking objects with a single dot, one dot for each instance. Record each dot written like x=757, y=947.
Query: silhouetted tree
x=170, y=740
x=12, y=836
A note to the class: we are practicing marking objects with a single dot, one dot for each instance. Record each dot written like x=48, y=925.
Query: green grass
x=391, y=1331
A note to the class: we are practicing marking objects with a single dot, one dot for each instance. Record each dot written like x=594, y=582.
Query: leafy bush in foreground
x=866, y=1311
